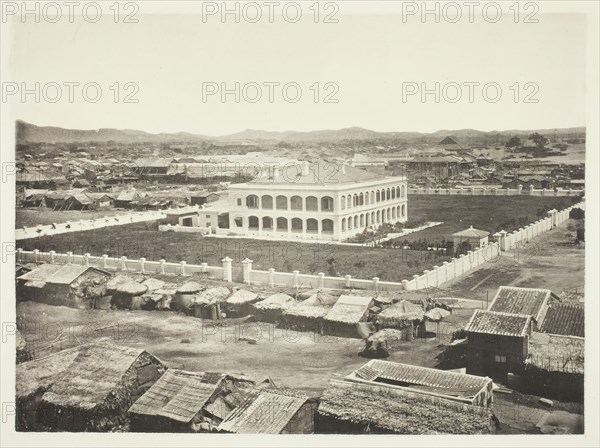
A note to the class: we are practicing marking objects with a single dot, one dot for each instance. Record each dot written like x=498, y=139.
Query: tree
x=539, y=140
x=514, y=142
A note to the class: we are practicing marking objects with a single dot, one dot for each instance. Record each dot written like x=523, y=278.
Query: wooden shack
x=345, y=316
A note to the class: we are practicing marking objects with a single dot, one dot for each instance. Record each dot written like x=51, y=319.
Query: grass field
x=482, y=212
x=31, y=217
x=144, y=240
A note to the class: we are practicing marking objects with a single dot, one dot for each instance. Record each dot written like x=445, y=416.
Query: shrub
x=577, y=213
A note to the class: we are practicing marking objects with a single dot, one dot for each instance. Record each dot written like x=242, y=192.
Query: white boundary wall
x=494, y=191
x=436, y=277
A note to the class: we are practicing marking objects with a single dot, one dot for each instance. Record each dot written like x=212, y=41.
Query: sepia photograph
x=246, y=223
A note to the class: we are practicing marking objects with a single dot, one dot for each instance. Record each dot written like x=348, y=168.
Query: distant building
x=203, y=197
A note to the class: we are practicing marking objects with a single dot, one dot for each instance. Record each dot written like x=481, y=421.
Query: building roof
x=265, y=411
x=317, y=305
x=277, y=301
x=401, y=411
x=349, y=309
x=510, y=299
x=152, y=162
x=441, y=382
x=400, y=312
x=566, y=319
x=62, y=274
x=242, y=296
x=498, y=323
x=325, y=173
x=472, y=233
x=556, y=353
x=179, y=395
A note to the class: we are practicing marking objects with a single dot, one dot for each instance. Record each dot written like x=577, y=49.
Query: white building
x=323, y=201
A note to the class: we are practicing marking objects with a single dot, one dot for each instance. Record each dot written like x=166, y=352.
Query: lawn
x=144, y=240
x=31, y=217
x=489, y=213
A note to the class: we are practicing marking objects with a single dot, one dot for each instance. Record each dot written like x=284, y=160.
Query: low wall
x=183, y=229
x=494, y=191
x=91, y=224
x=435, y=277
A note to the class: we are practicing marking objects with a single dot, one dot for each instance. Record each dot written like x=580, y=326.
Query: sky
x=373, y=63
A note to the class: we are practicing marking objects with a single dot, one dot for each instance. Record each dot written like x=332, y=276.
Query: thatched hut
x=346, y=316
x=380, y=343
x=129, y=295
x=271, y=309
x=361, y=408
x=185, y=296
x=404, y=316
x=182, y=401
x=310, y=313
x=86, y=388
x=207, y=304
x=61, y=284
x=272, y=411
x=239, y=304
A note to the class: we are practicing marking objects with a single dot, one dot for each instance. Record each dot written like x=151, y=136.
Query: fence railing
x=495, y=191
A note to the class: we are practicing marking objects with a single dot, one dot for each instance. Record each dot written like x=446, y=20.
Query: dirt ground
x=31, y=217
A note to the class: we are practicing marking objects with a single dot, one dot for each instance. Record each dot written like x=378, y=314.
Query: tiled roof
x=265, y=411
x=497, y=323
x=325, y=173
x=349, y=309
x=57, y=273
x=565, y=319
x=439, y=381
x=514, y=300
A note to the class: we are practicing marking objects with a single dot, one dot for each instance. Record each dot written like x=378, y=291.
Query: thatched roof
x=387, y=334
x=62, y=274
x=131, y=288
x=317, y=305
x=436, y=314
x=277, y=301
x=349, y=309
x=265, y=411
x=242, y=296
x=211, y=296
x=556, y=353
x=153, y=283
x=95, y=373
x=400, y=313
x=41, y=373
x=190, y=288
x=178, y=395
x=384, y=408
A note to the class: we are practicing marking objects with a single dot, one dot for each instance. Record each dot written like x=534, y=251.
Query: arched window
x=343, y=224
x=378, y=196
x=372, y=197
x=367, y=198
x=267, y=223
x=388, y=194
x=296, y=203
x=349, y=222
x=281, y=202
x=361, y=199
x=252, y=222
x=312, y=204
x=327, y=226
x=296, y=225
x=343, y=202
x=282, y=224
x=267, y=202
x=398, y=192
x=389, y=214
x=378, y=216
x=356, y=221
x=362, y=220
x=372, y=218
x=393, y=211
x=355, y=200
x=403, y=192
x=368, y=219
x=393, y=193
x=326, y=204
x=312, y=225
x=252, y=201
x=404, y=210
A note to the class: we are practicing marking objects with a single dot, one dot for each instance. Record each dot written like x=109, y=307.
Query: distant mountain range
x=30, y=133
